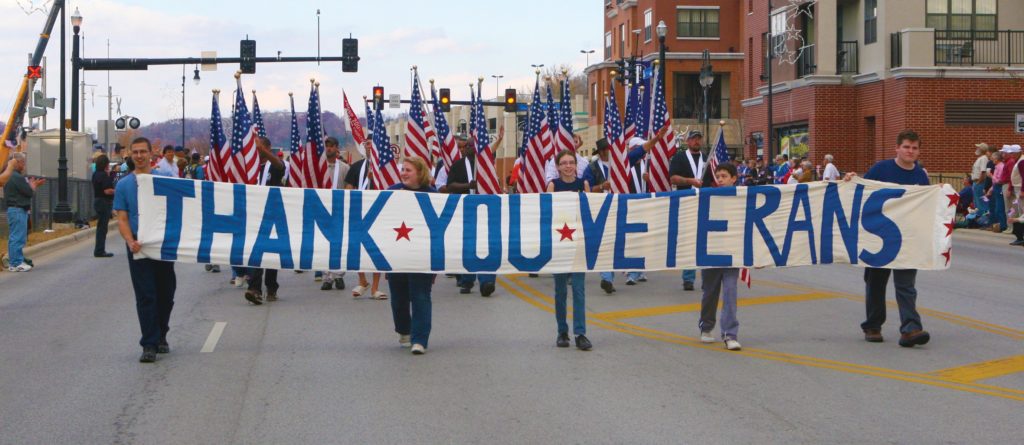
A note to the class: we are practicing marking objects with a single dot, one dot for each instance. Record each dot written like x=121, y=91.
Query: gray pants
x=715, y=282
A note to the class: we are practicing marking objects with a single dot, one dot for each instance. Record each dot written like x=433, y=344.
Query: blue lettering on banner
x=175, y=191
x=620, y=260
x=832, y=210
x=593, y=229
x=359, y=226
x=515, y=234
x=438, y=225
x=330, y=224
x=800, y=199
x=275, y=219
x=673, y=223
x=876, y=223
x=470, y=261
x=705, y=224
x=755, y=218
x=233, y=223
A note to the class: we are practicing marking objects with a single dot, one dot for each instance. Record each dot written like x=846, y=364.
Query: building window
x=750, y=6
x=648, y=21
x=688, y=97
x=960, y=19
x=594, y=96
x=607, y=46
x=622, y=40
x=692, y=22
x=870, y=21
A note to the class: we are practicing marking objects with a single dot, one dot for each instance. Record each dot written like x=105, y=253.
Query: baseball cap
x=694, y=134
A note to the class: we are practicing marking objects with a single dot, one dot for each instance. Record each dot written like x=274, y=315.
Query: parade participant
x=103, y=201
x=195, y=169
x=272, y=176
x=903, y=170
x=551, y=171
x=686, y=171
x=568, y=182
x=1017, y=203
x=166, y=166
x=995, y=193
x=720, y=281
x=979, y=174
x=18, y=192
x=462, y=180
x=337, y=170
x=831, y=173
x=358, y=178
x=410, y=292
x=153, y=280
x=597, y=174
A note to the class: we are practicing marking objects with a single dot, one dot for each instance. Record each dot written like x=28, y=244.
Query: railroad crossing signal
x=35, y=72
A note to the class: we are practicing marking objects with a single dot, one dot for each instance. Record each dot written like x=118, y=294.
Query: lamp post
x=497, y=86
x=62, y=211
x=707, y=77
x=661, y=29
x=76, y=26
x=587, y=52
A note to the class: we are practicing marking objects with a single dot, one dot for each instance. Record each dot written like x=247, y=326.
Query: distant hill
x=278, y=125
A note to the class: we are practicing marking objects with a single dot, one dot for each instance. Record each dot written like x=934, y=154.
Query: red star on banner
x=948, y=253
x=403, y=232
x=566, y=232
x=949, y=227
x=954, y=199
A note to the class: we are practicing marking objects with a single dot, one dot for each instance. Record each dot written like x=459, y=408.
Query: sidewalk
x=56, y=244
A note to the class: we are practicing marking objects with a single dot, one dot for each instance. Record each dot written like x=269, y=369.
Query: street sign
x=1020, y=122
x=208, y=66
x=394, y=101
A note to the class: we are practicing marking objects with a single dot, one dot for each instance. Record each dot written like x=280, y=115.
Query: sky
x=451, y=41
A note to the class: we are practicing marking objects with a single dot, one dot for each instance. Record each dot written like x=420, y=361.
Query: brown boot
x=873, y=335
x=913, y=338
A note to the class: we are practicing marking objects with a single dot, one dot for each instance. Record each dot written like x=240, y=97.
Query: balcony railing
x=896, y=54
x=847, y=58
x=805, y=65
x=969, y=48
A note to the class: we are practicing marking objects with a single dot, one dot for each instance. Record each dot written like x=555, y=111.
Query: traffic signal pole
x=134, y=64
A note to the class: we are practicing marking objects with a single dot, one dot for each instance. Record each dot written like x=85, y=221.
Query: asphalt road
x=321, y=367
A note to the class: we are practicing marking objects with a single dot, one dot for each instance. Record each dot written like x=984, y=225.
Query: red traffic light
x=378, y=98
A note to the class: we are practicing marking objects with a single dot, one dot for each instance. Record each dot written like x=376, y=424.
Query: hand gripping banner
x=860, y=222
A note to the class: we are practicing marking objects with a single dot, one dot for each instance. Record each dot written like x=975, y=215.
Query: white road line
x=211, y=341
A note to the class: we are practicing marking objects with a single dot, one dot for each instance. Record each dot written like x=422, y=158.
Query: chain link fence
x=80, y=197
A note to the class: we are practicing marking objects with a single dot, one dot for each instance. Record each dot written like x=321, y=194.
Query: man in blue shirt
x=903, y=170
x=153, y=280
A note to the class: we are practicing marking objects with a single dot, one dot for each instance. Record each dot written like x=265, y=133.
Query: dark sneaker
x=687, y=285
x=103, y=255
x=582, y=343
x=208, y=267
x=253, y=297
x=562, y=341
x=1019, y=242
x=271, y=296
x=914, y=338
x=148, y=355
x=163, y=348
x=607, y=286
x=326, y=285
x=873, y=335
x=533, y=275
x=215, y=269
x=339, y=283
x=465, y=289
x=630, y=282
x=486, y=289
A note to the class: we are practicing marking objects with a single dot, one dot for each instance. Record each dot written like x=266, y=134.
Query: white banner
x=861, y=222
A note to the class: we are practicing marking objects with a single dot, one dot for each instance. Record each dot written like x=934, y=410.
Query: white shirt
x=831, y=172
x=551, y=171
x=442, y=178
x=979, y=166
x=169, y=168
x=793, y=177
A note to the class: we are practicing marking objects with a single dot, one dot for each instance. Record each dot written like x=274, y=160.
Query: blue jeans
x=410, y=304
x=876, y=281
x=715, y=282
x=579, y=308
x=610, y=276
x=690, y=275
x=998, y=206
x=154, y=283
x=979, y=203
x=17, y=221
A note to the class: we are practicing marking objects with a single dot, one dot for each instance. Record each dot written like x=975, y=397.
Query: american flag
x=643, y=115
x=565, y=118
x=386, y=165
x=665, y=148
x=538, y=148
x=449, y=152
x=295, y=151
x=244, y=165
x=632, y=109
x=371, y=154
x=720, y=155
x=472, y=112
x=486, y=175
x=257, y=116
x=553, y=117
x=218, y=156
x=428, y=129
x=314, y=163
x=417, y=142
x=618, y=171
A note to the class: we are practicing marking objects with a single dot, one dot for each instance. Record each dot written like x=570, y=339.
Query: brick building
x=850, y=74
x=692, y=27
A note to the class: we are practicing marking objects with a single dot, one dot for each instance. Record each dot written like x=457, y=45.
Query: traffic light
x=510, y=100
x=446, y=99
x=378, y=98
x=350, y=55
x=620, y=73
x=248, y=54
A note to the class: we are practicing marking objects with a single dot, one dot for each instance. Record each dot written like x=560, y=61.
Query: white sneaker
x=405, y=340
x=23, y=267
x=418, y=349
x=732, y=345
x=706, y=337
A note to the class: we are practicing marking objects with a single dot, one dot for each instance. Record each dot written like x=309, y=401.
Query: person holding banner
x=720, y=281
x=686, y=171
x=154, y=281
x=902, y=170
x=337, y=170
x=567, y=181
x=273, y=176
x=410, y=292
x=597, y=175
x=359, y=178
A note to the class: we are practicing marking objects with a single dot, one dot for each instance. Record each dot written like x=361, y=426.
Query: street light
x=62, y=211
x=497, y=87
x=707, y=77
x=195, y=78
x=588, y=53
x=661, y=29
x=76, y=26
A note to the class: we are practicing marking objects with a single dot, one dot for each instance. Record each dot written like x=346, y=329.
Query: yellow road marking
x=984, y=370
x=537, y=299
x=694, y=307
